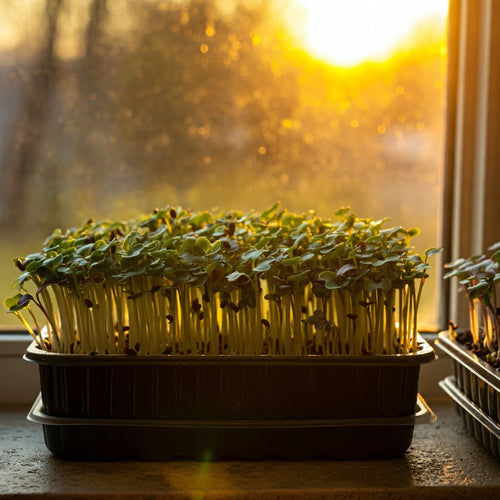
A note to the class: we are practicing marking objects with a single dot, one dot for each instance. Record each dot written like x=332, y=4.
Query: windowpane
x=112, y=108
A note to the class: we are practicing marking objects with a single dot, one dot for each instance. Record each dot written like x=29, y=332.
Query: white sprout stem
x=204, y=328
x=163, y=333
x=53, y=324
x=349, y=322
x=223, y=318
x=473, y=318
x=286, y=325
x=378, y=322
x=65, y=317
x=387, y=326
x=487, y=328
x=340, y=313
x=185, y=329
x=495, y=321
x=214, y=323
x=296, y=304
x=120, y=308
x=83, y=333
x=401, y=319
x=102, y=317
x=234, y=334
x=413, y=318
x=258, y=326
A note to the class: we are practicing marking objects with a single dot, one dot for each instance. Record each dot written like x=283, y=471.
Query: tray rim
x=450, y=387
x=462, y=355
x=425, y=354
x=423, y=415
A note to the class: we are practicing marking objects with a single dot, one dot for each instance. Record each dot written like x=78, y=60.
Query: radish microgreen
x=181, y=282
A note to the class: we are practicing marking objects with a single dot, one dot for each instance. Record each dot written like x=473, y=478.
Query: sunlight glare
x=350, y=32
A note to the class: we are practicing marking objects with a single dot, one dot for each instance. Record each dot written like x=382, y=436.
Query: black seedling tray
x=484, y=429
x=478, y=381
x=249, y=439
x=229, y=387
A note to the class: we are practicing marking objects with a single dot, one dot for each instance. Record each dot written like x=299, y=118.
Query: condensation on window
x=112, y=108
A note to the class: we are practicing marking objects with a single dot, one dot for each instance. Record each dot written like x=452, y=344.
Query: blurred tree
x=20, y=153
x=193, y=102
x=201, y=92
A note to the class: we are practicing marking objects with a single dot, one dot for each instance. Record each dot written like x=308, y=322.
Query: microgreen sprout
x=479, y=277
x=178, y=282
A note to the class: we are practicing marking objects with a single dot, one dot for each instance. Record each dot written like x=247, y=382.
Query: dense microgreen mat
x=183, y=282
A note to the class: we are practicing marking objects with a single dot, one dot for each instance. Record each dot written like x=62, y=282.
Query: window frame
x=471, y=203
x=19, y=383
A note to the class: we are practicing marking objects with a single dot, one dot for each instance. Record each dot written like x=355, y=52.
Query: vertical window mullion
x=470, y=162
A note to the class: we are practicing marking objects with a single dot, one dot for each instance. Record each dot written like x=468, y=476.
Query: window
x=113, y=108
x=472, y=204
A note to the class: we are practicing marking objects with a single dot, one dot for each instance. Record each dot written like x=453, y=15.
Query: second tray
x=338, y=438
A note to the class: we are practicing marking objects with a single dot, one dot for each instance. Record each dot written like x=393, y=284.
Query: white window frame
x=19, y=382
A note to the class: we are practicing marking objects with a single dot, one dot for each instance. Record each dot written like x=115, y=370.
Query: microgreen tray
x=221, y=387
x=478, y=380
x=484, y=429
x=153, y=439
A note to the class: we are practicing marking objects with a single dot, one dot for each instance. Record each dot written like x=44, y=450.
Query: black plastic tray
x=222, y=387
x=112, y=439
x=479, y=381
x=478, y=423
